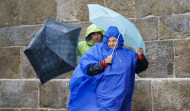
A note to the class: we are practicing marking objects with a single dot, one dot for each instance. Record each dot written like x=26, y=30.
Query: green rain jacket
x=83, y=46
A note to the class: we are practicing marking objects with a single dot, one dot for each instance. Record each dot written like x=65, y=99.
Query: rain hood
x=92, y=28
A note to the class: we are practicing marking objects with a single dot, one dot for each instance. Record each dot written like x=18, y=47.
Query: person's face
x=112, y=41
x=96, y=37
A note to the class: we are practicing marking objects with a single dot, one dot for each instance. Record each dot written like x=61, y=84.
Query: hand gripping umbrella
x=53, y=51
x=104, y=18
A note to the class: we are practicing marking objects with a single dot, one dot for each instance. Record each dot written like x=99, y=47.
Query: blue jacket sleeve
x=89, y=58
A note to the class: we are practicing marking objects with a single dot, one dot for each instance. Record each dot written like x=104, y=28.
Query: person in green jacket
x=94, y=35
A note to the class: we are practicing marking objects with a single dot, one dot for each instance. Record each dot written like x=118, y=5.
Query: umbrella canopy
x=104, y=18
x=53, y=51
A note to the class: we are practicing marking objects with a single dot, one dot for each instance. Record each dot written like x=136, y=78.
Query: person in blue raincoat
x=102, y=82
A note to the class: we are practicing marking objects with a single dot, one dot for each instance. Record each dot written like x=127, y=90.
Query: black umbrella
x=53, y=51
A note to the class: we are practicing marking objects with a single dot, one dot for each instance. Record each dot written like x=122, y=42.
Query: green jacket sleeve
x=79, y=52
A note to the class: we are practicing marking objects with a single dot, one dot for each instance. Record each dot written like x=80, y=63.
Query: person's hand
x=140, y=52
x=108, y=60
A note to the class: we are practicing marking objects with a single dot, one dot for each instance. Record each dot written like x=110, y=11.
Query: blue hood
x=113, y=32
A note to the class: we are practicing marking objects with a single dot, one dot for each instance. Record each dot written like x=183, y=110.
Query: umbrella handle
x=110, y=65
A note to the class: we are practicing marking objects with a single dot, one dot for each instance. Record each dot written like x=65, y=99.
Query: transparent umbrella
x=104, y=18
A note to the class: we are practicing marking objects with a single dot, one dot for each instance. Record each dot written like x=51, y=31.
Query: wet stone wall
x=163, y=24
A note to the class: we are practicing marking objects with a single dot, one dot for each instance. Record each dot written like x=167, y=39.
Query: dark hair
x=94, y=33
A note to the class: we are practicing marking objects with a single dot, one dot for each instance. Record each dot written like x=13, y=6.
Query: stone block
x=36, y=12
x=142, y=100
x=19, y=93
x=148, y=28
x=181, y=6
x=163, y=7
x=35, y=109
x=40, y=109
x=182, y=58
x=175, y=27
x=9, y=13
x=83, y=9
x=27, y=70
x=10, y=109
x=10, y=62
x=17, y=35
x=65, y=76
x=124, y=7
x=67, y=10
x=160, y=55
x=153, y=7
x=143, y=8
x=59, y=110
x=171, y=95
x=54, y=94
x=67, y=91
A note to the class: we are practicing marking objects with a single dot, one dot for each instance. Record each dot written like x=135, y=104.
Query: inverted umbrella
x=104, y=18
x=53, y=51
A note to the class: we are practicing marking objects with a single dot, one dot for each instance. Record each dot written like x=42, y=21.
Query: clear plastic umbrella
x=104, y=18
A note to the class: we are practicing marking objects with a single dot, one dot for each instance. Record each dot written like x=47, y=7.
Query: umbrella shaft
x=115, y=44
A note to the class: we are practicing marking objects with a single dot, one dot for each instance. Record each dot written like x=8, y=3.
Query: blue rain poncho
x=109, y=90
